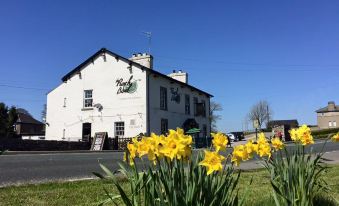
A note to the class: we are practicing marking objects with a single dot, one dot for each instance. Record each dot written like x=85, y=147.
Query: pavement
x=25, y=168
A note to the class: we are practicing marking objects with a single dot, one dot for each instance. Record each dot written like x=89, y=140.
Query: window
x=195, y=104
x=163, y=98
x=203, y=104
x=119, y=129
x=65, y=100
x=164, y=126
x=187, y=104
x=88, y=98
x=334, y=124
x=330, y=124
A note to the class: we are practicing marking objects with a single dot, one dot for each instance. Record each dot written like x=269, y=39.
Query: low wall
x=13, y=144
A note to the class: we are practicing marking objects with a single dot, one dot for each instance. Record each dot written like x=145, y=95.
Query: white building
x=123, y=97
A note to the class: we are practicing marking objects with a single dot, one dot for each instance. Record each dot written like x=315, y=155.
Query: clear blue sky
x=285, y=52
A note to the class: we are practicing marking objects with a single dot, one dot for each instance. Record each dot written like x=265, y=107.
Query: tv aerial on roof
x=148, y=34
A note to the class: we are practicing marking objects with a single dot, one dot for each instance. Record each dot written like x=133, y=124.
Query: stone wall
x=14, y=144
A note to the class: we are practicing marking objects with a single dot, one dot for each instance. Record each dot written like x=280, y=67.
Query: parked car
x=232, y=137
x=238, y=135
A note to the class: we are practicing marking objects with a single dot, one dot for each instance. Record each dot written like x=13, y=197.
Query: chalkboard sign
x=98, y=141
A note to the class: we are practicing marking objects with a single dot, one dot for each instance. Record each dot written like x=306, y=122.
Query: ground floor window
x=119, y=129
x=164, y=126
x=330, y=124
x=334, y=123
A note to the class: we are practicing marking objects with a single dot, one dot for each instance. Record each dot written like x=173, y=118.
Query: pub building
x=124, y=98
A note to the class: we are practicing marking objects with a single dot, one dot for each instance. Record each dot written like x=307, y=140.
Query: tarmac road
x=23, y=168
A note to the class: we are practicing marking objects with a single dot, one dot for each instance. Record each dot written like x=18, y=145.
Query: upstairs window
x=195, y=105
x=187, y=104
x=88, y=98
x=203, y=109
x=163, y=98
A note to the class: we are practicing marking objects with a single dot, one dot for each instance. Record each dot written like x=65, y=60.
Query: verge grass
x=90, y=192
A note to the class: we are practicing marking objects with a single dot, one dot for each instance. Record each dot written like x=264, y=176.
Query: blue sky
x=285, y=52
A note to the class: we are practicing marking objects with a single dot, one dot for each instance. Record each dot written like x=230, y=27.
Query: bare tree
x=261, y=112
x=214, y=107
x=43, y=113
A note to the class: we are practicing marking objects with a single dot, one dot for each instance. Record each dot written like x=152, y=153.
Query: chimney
x=331, y=106
x=179, y=75
x=144, y=59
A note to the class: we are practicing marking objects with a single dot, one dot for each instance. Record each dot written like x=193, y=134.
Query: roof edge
x=104, y=50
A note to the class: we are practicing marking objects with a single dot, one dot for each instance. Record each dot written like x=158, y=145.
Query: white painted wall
x=65, y=122
x=100, y=76
x=176, y=111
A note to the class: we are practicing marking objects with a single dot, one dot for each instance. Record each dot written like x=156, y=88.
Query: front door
x=86, y=131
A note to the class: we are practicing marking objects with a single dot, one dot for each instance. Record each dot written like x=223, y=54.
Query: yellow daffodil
x=132, y=149
x=219, y=141
x=143, y=147
x=277, y=144
x=335, y=138
x=251, y=148
x=212, y=162
x=240, y=153
x=302, y=135
x=261, y=138
x=264, y=150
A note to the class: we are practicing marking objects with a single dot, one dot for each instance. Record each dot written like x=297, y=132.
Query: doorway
x=86, y=131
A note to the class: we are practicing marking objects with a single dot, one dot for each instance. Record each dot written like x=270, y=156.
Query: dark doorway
x=86, y=131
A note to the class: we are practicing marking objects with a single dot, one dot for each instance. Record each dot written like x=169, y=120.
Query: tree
x=261, y=112
x=214, y=107
x=43, y=113
x=7, y=119
x=3, y=119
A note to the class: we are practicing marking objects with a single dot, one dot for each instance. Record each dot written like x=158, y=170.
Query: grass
x=90, y=192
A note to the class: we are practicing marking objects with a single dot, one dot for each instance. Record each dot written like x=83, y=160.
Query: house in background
x=29, y=128
x=123, y=97
x=328, y=117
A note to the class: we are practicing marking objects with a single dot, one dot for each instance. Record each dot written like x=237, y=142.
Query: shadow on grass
x=319, y=200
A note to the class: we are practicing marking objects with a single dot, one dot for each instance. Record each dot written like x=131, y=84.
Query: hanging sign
x=126, y=86
x=175, y=95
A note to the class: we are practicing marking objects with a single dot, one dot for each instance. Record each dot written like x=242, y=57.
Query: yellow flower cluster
x=246, y=151
x=175, y=145
x=335, y=138
x=277, y=144
x=302, y=135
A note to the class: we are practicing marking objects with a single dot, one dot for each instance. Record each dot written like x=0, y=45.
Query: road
x=36, y=168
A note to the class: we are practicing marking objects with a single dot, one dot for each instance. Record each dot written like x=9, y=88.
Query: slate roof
x=104, y=50
x=27, y=119
x=325, y=109
x=291, y=123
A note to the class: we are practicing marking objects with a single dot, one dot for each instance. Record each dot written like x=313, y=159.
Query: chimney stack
x=331, y=106
x=180, y=76
x=144, y=59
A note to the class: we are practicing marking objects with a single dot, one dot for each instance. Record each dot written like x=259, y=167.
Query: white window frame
x=119, y=129
x=330, y=124
x=88, y=97
x=334, y=123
